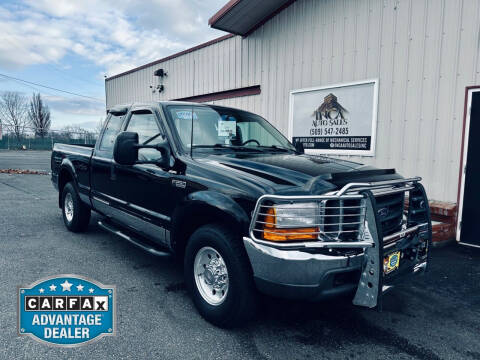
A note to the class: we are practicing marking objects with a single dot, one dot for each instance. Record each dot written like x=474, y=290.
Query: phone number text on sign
x=342, y=142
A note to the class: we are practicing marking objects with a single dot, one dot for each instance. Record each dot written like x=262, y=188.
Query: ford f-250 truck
x=244, y=209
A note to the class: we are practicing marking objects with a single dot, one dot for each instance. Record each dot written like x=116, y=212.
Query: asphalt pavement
x=25, y=160
x=436, y=316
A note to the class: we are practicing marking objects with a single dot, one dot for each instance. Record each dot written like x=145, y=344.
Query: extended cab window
x=111, y=130
x=145, y=125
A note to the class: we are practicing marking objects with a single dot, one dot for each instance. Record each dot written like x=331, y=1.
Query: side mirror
x=125, y=150
x=299, y=147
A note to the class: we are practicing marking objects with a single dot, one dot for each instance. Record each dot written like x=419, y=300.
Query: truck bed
x=77, y=157
x=80, y=149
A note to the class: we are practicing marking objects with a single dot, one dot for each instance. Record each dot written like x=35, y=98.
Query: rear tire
x=217, y=252
x=76, y=215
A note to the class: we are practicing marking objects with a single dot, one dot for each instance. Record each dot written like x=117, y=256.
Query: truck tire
x=218, y=276
x=76, y=215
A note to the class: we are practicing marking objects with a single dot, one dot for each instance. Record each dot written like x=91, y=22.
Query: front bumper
x=296, y=274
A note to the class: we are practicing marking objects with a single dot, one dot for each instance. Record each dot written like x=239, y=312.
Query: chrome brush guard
x=357, y=224
x=347, y=215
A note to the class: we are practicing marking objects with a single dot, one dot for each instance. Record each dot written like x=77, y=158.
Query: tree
x=39, y=116
x=99, y=126
x=73, y=132
x=78, y=134
x=13, y=113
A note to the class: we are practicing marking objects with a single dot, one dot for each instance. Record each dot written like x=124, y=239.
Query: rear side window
x=113, y=127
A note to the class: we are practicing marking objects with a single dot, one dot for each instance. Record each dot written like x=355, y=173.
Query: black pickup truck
x=243, y=208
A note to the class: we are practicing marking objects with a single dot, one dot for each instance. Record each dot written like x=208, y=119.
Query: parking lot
x=435, y=317
x=25, y=160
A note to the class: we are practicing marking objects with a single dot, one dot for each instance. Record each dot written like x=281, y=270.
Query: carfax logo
x=66, y=310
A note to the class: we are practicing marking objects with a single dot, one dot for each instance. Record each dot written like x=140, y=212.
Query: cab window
x=145, y=125
x=114, y=124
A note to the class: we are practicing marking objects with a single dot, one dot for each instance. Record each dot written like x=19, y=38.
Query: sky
x=72, y=45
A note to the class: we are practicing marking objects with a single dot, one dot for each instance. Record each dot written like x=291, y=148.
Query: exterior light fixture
x=160, y=72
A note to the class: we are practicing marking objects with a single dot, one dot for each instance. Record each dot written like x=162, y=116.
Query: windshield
x=218, y=127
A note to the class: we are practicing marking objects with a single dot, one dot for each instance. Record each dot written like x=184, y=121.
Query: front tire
x=76, y=215
x=219, y=277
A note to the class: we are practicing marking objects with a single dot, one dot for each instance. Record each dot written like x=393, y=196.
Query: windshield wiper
x=215, y=146
x=225, y=146
x=276, y=148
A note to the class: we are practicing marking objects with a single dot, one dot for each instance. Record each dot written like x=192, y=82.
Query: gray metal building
x=424, y=54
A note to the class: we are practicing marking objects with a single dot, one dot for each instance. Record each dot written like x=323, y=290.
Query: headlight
x=288, y=222
x=296, y=215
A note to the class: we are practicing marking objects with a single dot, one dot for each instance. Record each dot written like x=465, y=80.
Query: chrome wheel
x=68, y=207
x=211, y=275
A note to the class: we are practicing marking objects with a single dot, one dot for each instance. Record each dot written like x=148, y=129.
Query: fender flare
x=207, y=204
x=66, y=166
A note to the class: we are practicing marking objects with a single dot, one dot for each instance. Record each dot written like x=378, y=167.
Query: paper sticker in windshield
x=227, y=128
x=186, y=115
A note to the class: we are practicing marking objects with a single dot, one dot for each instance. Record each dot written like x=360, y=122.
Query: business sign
x=66, y=310
x=337, y=119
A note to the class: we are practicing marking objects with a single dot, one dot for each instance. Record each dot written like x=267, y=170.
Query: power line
x=51, y=88
x=36, y=89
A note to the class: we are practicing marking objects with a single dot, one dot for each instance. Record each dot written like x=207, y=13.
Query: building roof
x=238, y=17
x=241, y=17
x=200, y=46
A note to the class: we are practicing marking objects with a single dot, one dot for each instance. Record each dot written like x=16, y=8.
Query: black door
x=471, y=198
x=146, y=188
x=104, y=185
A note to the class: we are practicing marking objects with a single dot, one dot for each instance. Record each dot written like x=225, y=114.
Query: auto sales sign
x=337, y=119
x=66, y=310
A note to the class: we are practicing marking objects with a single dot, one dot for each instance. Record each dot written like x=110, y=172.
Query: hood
x=284, y=173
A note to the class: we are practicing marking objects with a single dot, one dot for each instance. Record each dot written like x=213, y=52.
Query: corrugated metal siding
x=424, y=52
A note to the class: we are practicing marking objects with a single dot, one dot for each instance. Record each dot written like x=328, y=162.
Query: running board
x=135, y=241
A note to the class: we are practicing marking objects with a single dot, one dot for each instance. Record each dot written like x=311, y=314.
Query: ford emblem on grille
x=383, y=212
